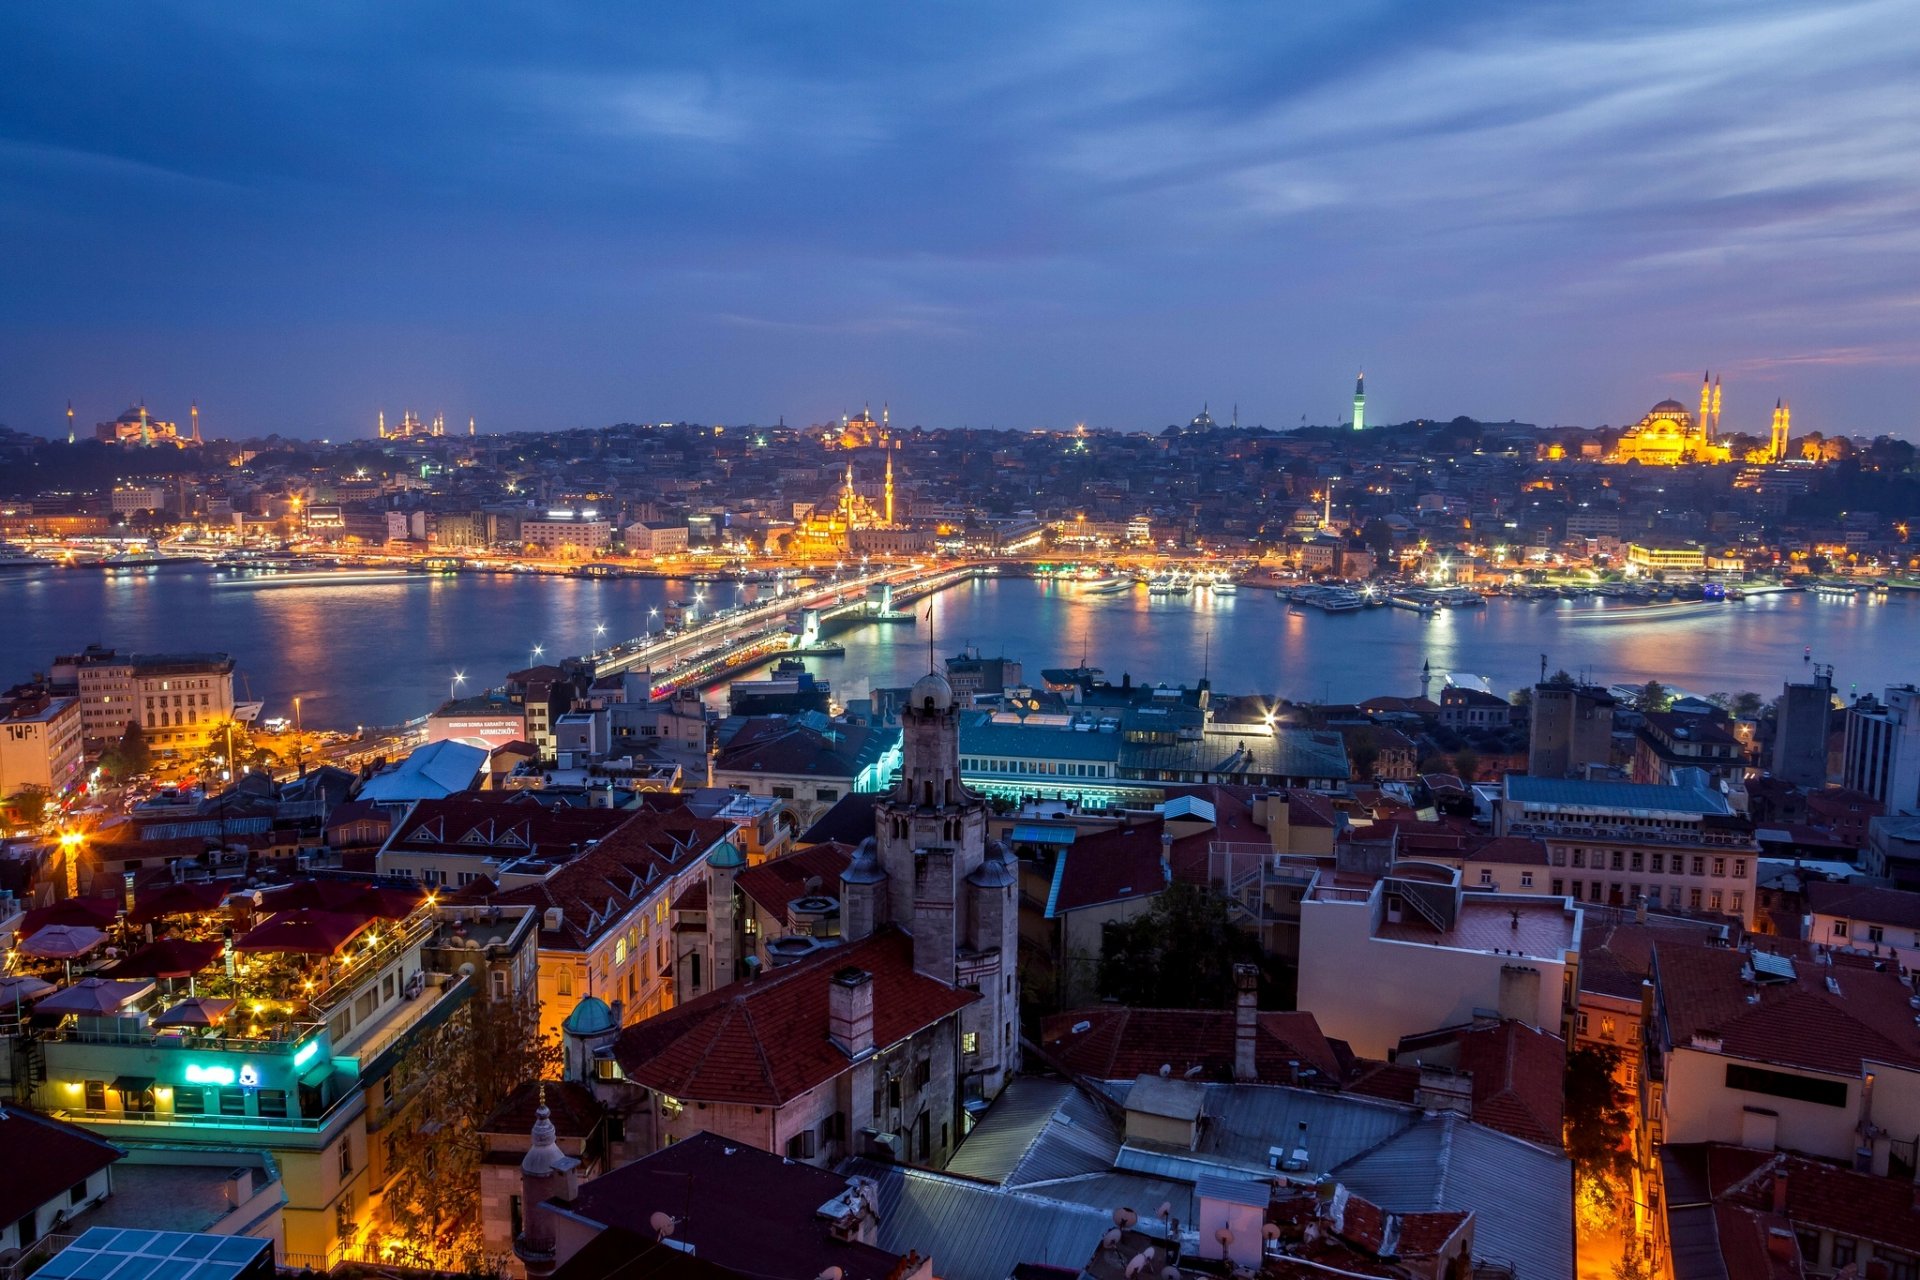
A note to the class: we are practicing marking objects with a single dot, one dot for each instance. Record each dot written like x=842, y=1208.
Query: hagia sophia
x=1669, y=436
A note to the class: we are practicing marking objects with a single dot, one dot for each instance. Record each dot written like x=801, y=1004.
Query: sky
x=553, y=214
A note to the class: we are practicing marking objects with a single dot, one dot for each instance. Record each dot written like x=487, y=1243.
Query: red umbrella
x=92, y=913
x=390, y=901
x=96, y=996
x=62, y=941
x=183, y=899
x=168, y=958
x=306, y=895
x=319, y=933
x=197, y=1011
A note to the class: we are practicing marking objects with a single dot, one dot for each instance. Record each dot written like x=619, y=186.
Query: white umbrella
x=98, y=997
x=63, y=941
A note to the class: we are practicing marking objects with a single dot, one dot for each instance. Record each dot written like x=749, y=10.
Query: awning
x=317, y=1074
x=1033, y=833
x=132, y=1084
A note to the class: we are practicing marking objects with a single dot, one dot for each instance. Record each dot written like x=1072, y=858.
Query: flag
x=929, y=617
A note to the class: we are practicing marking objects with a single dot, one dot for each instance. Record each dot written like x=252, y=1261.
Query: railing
x=349, y=977
x=174, y=1119
x=37, y=1253
x=279, y=1042
x=1628, y=835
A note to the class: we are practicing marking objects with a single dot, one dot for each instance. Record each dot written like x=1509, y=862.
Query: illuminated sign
x=197, y=1074
x=307, y=1050
x=249, y=1078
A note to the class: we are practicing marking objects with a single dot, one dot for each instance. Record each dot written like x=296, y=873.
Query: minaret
x=1713, y=433
x=1779, y=431
x=195, y=411
x=1706, y=407
x=471, y=430
x=545, y=1172
x=1426, y=680
x=888, y=445
x=383, y=424
x=1360, y=401
x=69, y=422
x=146, y=432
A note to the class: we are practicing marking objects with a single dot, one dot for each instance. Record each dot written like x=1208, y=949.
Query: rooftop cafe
x=196, y=1001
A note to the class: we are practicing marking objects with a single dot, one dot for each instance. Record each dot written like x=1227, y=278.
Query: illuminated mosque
x=826, y=529
x=1669, y=436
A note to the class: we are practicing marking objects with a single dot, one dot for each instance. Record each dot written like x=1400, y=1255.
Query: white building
x=1882, y=753
x=177, y=699
x=655, y=538
x=1412, y=950
x=578, y=533
x=1866, y=919
x=39, y=743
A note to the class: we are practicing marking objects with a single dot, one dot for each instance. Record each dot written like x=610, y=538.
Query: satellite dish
x=1166, y=1069
x=831, y=1273
x=1169, y=1272
x=1124, y=1217
x=1111, y=1240
x=1224, y=1235
x=1271, y=1232
x=1165, y=1210
x=662, y=1224
x=1139, y=1262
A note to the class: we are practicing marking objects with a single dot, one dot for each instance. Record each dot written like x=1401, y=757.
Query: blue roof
x=590, y=1017
x=1034, y=833
x=1577, y=792
x=1037, y=742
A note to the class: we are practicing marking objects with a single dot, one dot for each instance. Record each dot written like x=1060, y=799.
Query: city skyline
x=1505, y=212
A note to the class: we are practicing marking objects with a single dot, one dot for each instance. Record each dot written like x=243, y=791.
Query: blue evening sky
x=554, y=214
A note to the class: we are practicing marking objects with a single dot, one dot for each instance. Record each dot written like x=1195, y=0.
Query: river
x=379, y=653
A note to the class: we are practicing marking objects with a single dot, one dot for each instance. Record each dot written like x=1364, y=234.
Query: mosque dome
x=1668, y=406
x=931, y=687
x=590, y=1017
x=727, y=857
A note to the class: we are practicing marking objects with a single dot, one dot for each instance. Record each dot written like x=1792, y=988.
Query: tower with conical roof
x=930, y=870
x=1360, y=401
x=545, y=1172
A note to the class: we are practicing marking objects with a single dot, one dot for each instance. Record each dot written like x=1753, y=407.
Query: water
x=381, y=653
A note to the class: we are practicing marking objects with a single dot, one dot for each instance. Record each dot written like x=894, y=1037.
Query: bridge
x=741, y=637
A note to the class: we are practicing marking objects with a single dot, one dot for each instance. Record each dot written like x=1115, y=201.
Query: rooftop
x=1113, y=1042
x=1633, y=797
x=64, y=1155
x=1510, y=923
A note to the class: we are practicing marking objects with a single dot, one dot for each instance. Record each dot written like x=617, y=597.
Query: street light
x=453, y=691
x=537, y=651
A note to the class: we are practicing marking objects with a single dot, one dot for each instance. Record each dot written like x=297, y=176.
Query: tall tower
x=887, y=444
x=1360, y=402
x=383, y=424
x=1713, y=433
x=1704, y=427
x=146, y=431
x=1781, y=419
x=471, y=429
x=930, y=870
x=195, y=412
x=69, y=422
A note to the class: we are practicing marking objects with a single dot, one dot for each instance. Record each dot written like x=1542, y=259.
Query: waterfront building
x=811, y=768
x=1394, y=955
x=569, y=534
x=179, y=700
x=1618, y=843
x=976, y=679
x=1802, y=722
x=1882, y=753
x=655, y=538
x=1571, y=730
x=1666, y=557
x=40, y=742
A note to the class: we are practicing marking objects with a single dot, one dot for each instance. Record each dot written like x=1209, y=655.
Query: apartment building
x=39, y=742
x=1678, y=847
x=177, y=699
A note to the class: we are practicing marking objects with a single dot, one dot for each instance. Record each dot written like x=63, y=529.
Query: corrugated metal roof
x=1037, y=1131
x=1037, y=742
x=1521, y=1195
x=975, y=1231
x=1244, y=1121
x=1034, y=833
x=1578, y=792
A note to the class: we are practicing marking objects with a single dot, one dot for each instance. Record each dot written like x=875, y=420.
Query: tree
x=1466, y=766
x=1654, y=696
x=1363, y=749
x=1599, y=1115
x=445, y=1086
x=130, y=756
x=1178, y=955
x=1522, y=698
x=1747, y=704
x=28, y=804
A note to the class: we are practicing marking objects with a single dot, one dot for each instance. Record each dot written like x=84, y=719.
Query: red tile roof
x=1821, y=1196
x=1798, y=1023
x=764, y=1042
x=1121, y=1043
x=1115, y=865
x=63, y=1156
x=1899, y=907
x=502, y=828
x=1519, y=1079
x=774, y=884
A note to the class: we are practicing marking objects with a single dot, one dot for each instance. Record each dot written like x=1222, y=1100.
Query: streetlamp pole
x=299, y=739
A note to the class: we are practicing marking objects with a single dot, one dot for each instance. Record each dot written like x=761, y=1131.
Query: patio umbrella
x=169, y=958
x=100, y=997
x=197, y=1011
x=91, y=913
x=184, y=899
x=392, y=902
x=23, y=988
x=62, y=941
x=318, y=933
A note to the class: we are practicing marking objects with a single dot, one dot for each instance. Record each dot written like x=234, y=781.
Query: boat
x=1225, y=587
x=1107, y=586
x=1425, y=608
x=1160, y=587
x=17, y=559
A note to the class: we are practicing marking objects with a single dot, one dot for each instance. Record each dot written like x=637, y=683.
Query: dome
x=1669, y=406
x=932, y=686
x=590, y=1017
x=727, y=857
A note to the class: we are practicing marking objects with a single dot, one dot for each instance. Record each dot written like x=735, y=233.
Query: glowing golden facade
x=1669, y=436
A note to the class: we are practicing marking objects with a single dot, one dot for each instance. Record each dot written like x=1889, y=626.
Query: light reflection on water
x=378, y=653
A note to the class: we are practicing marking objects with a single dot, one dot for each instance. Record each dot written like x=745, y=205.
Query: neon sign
x=197, y=1074
x=306, y=1051
x=249, y=1078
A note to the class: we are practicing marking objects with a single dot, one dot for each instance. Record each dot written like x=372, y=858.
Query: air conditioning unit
x=884, y=1146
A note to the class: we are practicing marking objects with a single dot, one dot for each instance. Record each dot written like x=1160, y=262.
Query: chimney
x=1246, y=986
x=1780, y=1191
x=239, y=1187
x=1640, y=909
x=850, y=1012
x=1782, y=1245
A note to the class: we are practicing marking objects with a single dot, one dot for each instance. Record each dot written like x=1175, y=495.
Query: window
x=893, y=1092
x=1693, y=899
x=272, y=1103
x=76, y=1193
x=1699, y=866
x=1559, y=888
x=1876, y=934
x=800, y=1145
x=233, y=1102
x=1580, y=1020
x=1839, y=928
x=1740, y=868
x=1779, y=1084
x=620, y=951
x=1720, y=866
x=1579, y=891
x=1844, y=1251
x=189, y=1102
x=499, y=983
x=969, y=1042
x=1579, y=857
x=346, y=1157
x=826, y=793
x=1607, y=1027
x=1713, y=900
x=563, y=981
x=387, y=987
x=1526, y=879
x=96, y=1095
x=1617, y=860
x=1486, y=876
x=1739, y=903
x=780, y=793
x=1660, y=862
x=1638, y=859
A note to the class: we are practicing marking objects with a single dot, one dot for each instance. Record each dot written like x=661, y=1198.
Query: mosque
x=1669, y=436
x=828, y=529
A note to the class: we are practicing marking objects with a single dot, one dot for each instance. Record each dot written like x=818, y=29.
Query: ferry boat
x=17, y=559
x=1107, y=586
x=1224, y=587
x=1160, y=587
